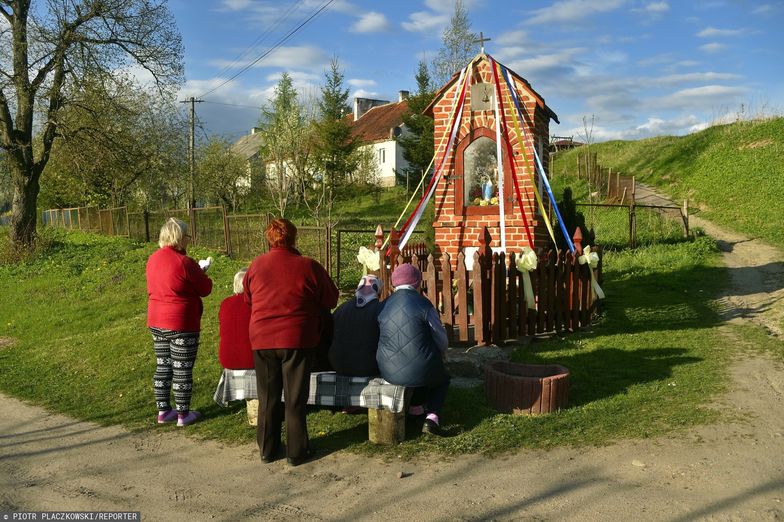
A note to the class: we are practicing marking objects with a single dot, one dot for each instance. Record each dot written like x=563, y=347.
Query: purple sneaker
x=188, y=418
x=165, y=417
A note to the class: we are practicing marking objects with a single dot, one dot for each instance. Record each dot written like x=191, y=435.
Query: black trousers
x=278, y=371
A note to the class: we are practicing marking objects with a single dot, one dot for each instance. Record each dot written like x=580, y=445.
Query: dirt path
x=728, y=471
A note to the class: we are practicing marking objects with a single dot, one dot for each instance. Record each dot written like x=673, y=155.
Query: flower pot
x=526, y=389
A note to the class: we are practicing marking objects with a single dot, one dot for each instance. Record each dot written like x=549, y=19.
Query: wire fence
x=240, y=236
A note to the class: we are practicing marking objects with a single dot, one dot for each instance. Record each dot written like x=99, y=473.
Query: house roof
x=536, y=95
x=247, y=146
x=376, y=123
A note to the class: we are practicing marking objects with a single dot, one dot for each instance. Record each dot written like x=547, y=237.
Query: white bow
x=592, y=260
x=525, y=264
x=368, y=259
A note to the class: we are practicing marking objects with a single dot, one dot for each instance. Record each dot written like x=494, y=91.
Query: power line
x=233, y=105
x=292, y=7
x=267, y=53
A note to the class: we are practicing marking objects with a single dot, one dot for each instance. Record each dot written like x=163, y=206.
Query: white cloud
x=765, y=9
x=303, y=56
x=712, y=32
x=357, y=82
x=657, y=7
x=713, y=47
x=704, y=98
x=512, y=38
x=564, y=11
x=364, y=93
x=296, y=76
x=425, y=21
x=371, y=22
x=675, y=79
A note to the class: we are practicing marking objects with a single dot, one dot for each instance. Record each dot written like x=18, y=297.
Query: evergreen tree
x=334, y=143
x=417, y=141
x=458, y=46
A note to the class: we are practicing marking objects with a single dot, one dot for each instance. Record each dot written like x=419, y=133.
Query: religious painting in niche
x=482, y=97
x=480, y=173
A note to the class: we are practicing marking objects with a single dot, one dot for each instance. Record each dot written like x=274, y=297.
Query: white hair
x=172, y=233
x=238, y=277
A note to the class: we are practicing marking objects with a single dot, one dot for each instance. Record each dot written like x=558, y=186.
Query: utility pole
x=192, y=150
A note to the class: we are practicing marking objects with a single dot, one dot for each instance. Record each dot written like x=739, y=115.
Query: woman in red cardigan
x=234, y=351
x=175, y=285
x=287, y=293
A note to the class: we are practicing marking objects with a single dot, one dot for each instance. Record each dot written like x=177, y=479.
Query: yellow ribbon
x=368, y=259
x=592, y=260
x=526, y=264
x=520, y=140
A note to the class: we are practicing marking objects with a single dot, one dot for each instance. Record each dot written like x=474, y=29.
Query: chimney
x=356, y=109
x=402, y=96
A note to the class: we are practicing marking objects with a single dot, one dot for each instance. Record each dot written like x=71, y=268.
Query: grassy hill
x=731, y=174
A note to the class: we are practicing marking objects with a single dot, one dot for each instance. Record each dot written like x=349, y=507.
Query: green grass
x=649, y=366
x=733, y=174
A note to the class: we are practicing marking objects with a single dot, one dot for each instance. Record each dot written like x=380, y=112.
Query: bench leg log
x=252, y=406
x=386, y=427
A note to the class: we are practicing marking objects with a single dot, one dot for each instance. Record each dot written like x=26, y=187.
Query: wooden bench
x=386, y=403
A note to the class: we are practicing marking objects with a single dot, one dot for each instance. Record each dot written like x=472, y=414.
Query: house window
x=480, y=168
x=382, y=155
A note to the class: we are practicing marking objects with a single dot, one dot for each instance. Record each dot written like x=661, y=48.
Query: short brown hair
x=281, y=232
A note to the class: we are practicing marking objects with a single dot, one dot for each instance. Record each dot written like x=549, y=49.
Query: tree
x=417, y=141
x=223, y=175
x=286, y=144
x=459, y=46
x=116, y=141
x=53, y=46
x=334, y=142
x=335, y=146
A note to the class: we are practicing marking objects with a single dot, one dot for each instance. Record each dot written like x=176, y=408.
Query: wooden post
x=127, y=222
x=394, y=249
x=462, y=298
x=633, y=216
x=448, y=314
x=609, y=181
x=226, y=231
x=252, y=408
x=192, y=220
x=385, y=427
x=146, y=214
x=685, y=217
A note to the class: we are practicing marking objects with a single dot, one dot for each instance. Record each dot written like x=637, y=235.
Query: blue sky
x=637, y=68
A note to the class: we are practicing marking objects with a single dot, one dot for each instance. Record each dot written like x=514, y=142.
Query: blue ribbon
x=505, y=73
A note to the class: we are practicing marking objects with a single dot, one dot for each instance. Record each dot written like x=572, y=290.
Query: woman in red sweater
x=175, y=285
x=287, y=293
x=234, y=351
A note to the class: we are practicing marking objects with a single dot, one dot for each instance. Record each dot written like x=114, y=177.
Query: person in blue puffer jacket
x=412, y=344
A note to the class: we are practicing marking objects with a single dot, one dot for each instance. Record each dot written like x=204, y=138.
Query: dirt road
x=727, y=471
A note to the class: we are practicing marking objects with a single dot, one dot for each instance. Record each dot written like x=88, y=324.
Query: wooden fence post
x=685, y=217
x=146, y=214
x=127, y=222
x=633, y=215
x=462, y=298
x=447, y=299
x=226, y=231
x=576, y=280
x=192, y=224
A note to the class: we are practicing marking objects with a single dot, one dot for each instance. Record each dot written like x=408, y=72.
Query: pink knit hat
x=406, y=274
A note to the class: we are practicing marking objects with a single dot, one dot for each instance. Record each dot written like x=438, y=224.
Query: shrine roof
x=453, y=79
x=375, y=124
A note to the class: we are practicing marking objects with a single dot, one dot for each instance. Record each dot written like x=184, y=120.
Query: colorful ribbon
x=518, y=133
x=538, y=163
x=412, y=221
x=510, y=153
x=592, y=260
x=526, y=264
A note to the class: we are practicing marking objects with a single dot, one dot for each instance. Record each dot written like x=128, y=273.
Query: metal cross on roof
x=482, y=41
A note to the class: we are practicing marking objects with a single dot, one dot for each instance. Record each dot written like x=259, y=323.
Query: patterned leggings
x=175, y=354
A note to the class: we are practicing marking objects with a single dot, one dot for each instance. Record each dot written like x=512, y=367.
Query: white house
x=378, y=124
